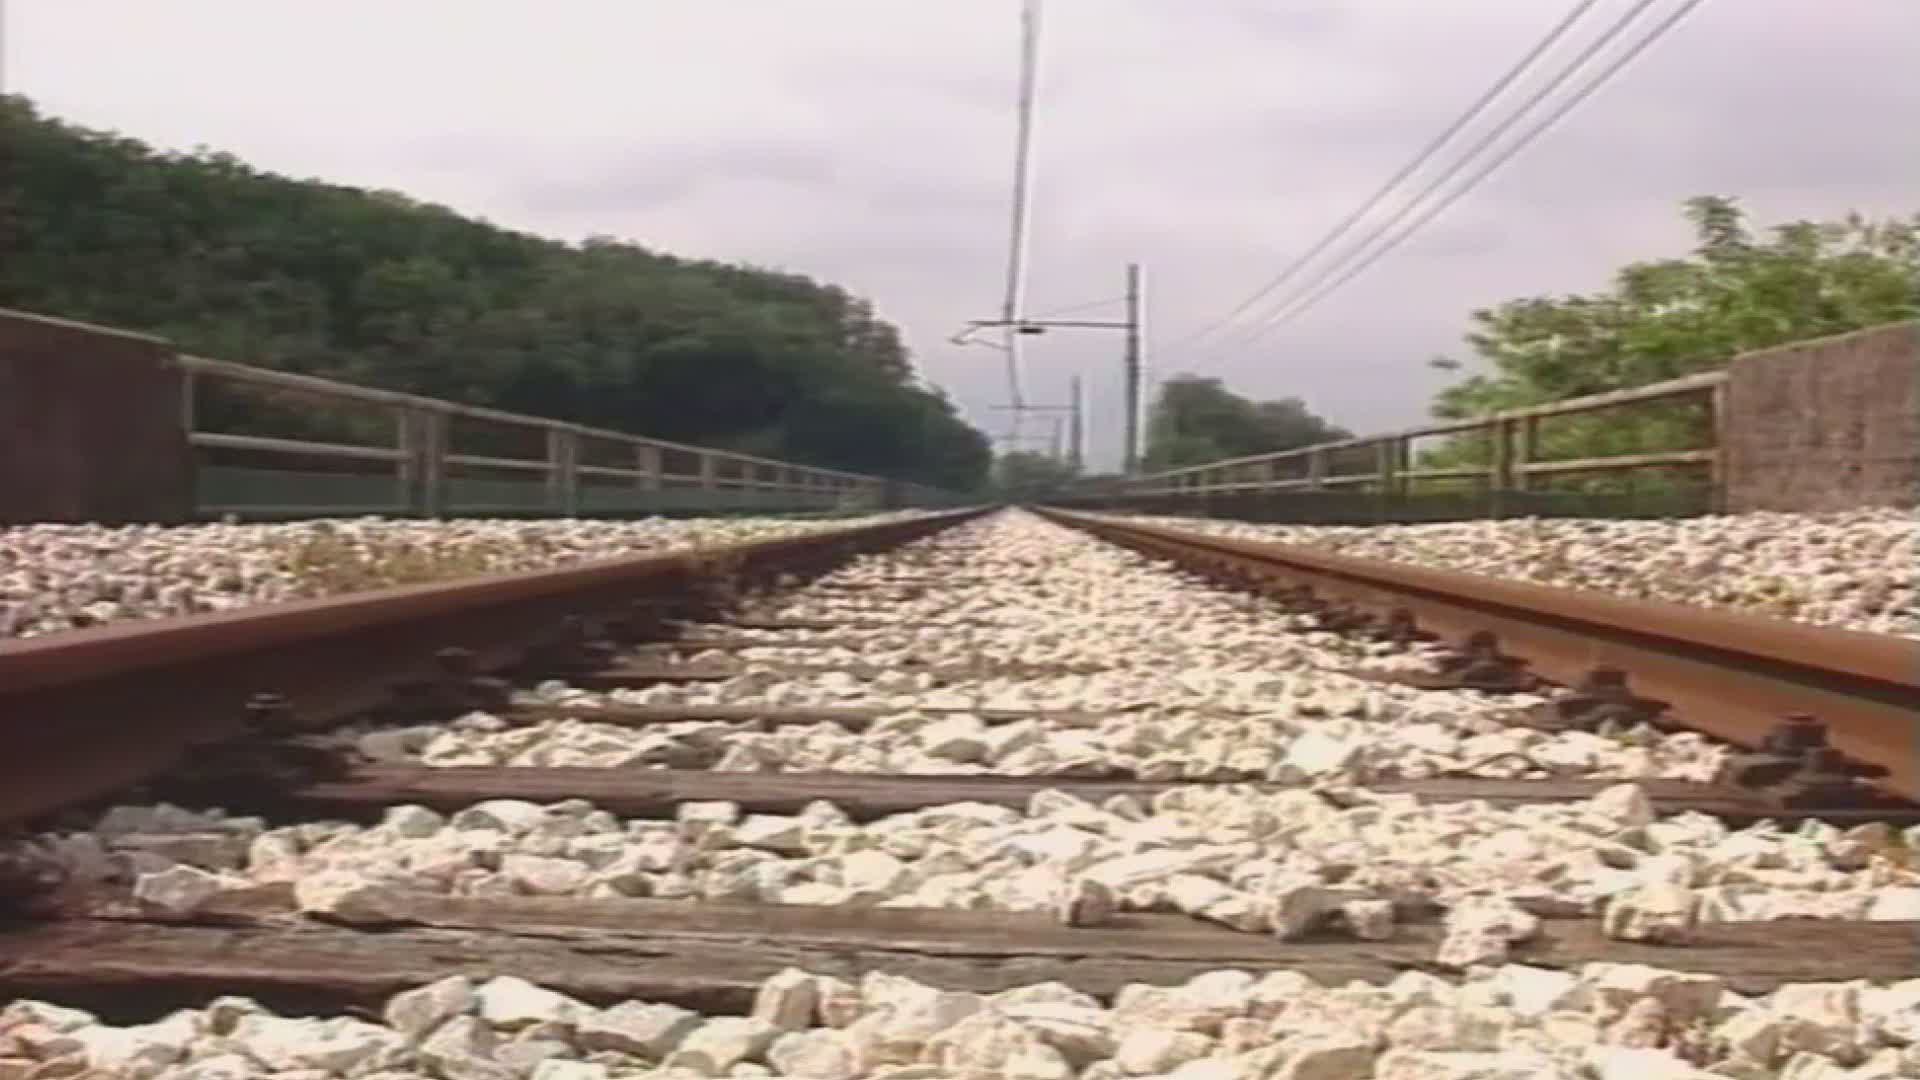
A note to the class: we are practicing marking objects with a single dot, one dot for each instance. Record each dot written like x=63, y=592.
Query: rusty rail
x=1731, y=675
x=92, y=711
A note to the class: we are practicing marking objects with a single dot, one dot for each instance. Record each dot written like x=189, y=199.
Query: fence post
x=188, y=386
x=1385, y=453
x=1501, y=478
x=709, y=473
x=1717, y=441
x=646, y=459
x=1528, y=453
x=421, y=477
x=406, y=470
x=563, y=471
x=1499, y=466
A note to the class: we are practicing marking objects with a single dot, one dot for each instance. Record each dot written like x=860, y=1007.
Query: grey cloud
x=657, y=174
x=1311, y=18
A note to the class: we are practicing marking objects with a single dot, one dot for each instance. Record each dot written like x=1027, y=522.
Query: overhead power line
x=1426, y=154
x=1303, y=301
x=1089, y=305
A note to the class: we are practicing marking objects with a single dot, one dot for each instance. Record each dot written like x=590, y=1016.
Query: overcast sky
x=869, y=142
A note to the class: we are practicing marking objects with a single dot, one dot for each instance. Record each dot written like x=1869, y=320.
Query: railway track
x=768, y=782
x=1828, y=706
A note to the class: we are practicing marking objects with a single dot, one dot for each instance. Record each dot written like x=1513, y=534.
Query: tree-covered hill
x=376, y=288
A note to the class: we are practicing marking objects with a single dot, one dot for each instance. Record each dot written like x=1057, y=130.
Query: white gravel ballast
x=62, y=577
x=1853, y=569
x=1507, y=1022
x=1285, y=863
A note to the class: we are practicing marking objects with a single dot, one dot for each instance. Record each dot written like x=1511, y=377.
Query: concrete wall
x=1825, y=424
x=89, y=425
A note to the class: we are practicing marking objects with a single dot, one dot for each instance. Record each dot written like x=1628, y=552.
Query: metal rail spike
x=1795, y=767
x=1600, y=702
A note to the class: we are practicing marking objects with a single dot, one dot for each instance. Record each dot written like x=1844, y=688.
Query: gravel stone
x=538, y=875
x=1146, y=1051
x=1471, y=1065
x=416, y=1013
x=462, y=1049
x=1326, y=1058
x=140, y=1051
x=719, y=1045
x=338, y=1046
x=644, y=1030
x=1084, y=901
x=556, y=1069
x=788, y=1000
x=507, y=1002
x=820, y=1053
x=1479, y=930
x=181, y=889
x=1660, y=913
x=342, y=895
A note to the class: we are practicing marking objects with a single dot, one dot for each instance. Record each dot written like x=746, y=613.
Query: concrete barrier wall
x=89, y=425
x=1826, y=424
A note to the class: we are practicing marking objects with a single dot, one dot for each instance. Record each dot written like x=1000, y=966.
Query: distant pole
x=1131, y=461
x=1076, y=453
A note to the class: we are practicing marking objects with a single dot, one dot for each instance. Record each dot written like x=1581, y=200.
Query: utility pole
x=1134, y=363
x=1072, y=409
x=1014, y=299
x=1131, y=457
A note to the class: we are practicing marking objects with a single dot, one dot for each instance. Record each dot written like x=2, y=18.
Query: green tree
x=1670, y=317
x=1021, y=475
x=377, y=288
x=1196, y=420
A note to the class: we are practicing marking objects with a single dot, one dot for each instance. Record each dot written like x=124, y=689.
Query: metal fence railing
x=1508, y=472
x=363, y=450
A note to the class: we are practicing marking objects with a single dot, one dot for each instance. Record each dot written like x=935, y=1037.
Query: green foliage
x=376, y=288
x=1022, y=475
x=1196, y=420
x=1671, y=317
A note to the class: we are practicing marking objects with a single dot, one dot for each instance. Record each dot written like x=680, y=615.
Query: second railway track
x=981, y=755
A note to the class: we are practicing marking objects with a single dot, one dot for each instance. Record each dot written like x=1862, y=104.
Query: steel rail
x=1725, y=673
x=88, y=712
